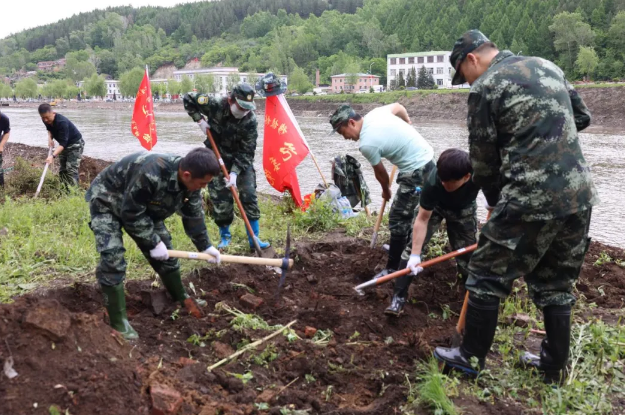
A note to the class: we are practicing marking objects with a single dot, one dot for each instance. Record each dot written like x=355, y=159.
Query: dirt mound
x=602, y=280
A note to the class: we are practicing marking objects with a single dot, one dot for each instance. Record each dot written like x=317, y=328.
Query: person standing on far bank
x=71, y=144
x=5, y=131
x=523, y=123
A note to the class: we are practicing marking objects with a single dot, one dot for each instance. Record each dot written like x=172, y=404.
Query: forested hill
x=295, y=37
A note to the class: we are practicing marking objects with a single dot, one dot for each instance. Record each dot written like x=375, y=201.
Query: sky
x=18, y=15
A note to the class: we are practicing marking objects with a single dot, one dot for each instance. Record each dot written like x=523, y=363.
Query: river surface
x=107, y=136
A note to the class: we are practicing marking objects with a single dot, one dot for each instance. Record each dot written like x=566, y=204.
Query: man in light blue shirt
x=386, y=132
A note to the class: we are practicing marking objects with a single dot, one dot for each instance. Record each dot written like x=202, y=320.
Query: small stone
x=165, y=399
x=222, y=350
x=155, y=300
x=52, y=319
x=251, y=301
x=310, y=332
x=185, y=361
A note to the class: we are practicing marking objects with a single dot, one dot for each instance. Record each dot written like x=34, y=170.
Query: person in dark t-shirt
x=71, y=144
x=5, y=129
x=449, y=194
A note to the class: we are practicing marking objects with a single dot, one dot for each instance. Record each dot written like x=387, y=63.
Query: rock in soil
x=50, y=318
x=165, y=399
x=251, y=301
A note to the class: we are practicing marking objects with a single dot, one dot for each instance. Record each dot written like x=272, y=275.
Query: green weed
x=434, y=389
x=604, y=258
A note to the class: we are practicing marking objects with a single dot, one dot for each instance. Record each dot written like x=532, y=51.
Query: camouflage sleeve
x=193, y=222
x=580, y=110
x=134, y=213
x=198, y=105
x=247, y=134
x=483, y=147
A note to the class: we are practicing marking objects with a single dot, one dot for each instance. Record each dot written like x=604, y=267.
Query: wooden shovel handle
x=235, y=259
x=378, y=222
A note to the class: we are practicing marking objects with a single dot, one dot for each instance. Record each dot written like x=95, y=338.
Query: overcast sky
x=17, y=15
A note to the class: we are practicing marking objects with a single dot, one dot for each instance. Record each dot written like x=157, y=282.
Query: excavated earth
x=66, y=355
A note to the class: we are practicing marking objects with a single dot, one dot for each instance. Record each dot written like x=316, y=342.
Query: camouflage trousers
x=109, y=242
x=223, y=203
x=69, y=160
x=461, y=231
x=406, y=200
x=548, y=254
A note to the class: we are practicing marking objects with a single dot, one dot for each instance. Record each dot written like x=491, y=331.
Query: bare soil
x=66, y=355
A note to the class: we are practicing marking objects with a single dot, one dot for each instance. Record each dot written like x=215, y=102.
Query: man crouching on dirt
x=386, y=133
x=137, y=194
x=448, y=193
x=523, y=121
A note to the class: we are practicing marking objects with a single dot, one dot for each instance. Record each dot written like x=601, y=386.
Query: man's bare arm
x=400, y=111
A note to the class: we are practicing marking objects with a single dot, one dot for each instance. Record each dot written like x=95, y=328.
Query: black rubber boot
x=115, y=303
x=478, y=337
x=400, y=293
x=396, y=248
x=554, y=350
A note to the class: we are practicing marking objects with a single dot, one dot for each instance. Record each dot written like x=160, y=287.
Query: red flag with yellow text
x=284, y=147
x=143, y=124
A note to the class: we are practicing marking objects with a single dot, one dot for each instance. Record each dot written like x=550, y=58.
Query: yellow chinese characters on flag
x=143, y=124
x=284, y=147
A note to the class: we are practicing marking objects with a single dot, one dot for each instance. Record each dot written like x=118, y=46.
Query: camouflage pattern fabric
x=406, y=200
x=548, y=254
x=69, y=161
x=235, y=138
x=137, y=194
x=461, y=230
x=342, y=114
x=222, y=209
x=523, y=121
x=348, y=177
x=468, y=42
x=270, y=85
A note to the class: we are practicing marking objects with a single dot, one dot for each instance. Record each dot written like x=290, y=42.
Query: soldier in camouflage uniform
x=449, y=194
x=232, y=122
x=386, y=132
x=5, y=132
x=71, y=144
x=523, y=122
x=137, y=194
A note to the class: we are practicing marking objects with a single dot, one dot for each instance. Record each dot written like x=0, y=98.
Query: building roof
x=417, y=54
x=343, y=75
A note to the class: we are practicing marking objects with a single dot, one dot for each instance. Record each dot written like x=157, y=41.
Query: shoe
x=479, y=333
x=256, y=229
x=115, y=303
x=226, y=237
x=554, y=349
x=400, y=292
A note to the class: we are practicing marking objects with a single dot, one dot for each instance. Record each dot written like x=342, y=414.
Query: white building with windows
x=435, y=62
x=222, y=76
x=112, y=88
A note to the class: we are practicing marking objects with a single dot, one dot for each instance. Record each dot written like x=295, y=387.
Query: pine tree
x=401, y=83
x=411, y=78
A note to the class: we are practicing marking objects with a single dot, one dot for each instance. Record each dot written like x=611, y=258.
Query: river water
x=107, y=136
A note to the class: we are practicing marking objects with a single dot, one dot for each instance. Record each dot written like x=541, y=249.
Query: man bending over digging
x=137, y=194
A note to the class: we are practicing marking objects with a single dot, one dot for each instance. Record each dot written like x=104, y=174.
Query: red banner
x=284, y=147
x=143, y=125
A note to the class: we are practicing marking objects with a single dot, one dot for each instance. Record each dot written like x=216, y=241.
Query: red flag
x=143, y=124
x=284, y=147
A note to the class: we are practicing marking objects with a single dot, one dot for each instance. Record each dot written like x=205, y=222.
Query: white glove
x=159, y=252
x=214, y=252
x=233, y=180
x=203, y=125
x=487, y=206
x=413, y=264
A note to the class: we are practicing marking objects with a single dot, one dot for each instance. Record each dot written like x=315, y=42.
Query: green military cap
x=244, y=94
x=466, y=44
x=343, y=114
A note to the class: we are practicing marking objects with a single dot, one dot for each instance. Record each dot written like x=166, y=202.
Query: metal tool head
x=360, y=289
x=285, y=262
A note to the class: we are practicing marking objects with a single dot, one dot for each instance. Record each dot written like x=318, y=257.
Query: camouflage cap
x=343, y=114
x=244, y=94
x=466, y=44
x=270, y=85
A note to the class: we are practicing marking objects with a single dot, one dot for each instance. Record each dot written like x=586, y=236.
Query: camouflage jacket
x=523, y=122
x=142, y=189
x=235, y=138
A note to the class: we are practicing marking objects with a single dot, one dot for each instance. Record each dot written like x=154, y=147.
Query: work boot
x=396, y=248
x=400, y=293
x=115, y=303
x=256, y=229
x=554, y=350
x=226, y=237
x=479, y=332
x=173, y=284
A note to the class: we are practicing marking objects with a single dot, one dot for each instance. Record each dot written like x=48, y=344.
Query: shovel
x=374, y=238
x=43, y=175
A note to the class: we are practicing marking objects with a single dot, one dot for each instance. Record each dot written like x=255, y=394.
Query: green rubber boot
x=173, y=284
x=115, y=303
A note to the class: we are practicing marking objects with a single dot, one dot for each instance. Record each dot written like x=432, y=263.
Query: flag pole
x=147, y=75
x=318, y=168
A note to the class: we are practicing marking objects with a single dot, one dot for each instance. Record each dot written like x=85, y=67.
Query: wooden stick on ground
x=250, y=346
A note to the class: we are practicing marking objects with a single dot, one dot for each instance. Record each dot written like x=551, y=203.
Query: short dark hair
x=453, y=164
x=200, y=162
x=44, y=108
x=484, y=47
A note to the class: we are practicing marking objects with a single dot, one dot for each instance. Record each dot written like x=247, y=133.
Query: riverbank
x=607, y=105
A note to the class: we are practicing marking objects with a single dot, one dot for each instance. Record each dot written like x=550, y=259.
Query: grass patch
x=433, y=390
x=381, y=98
x=601, y=85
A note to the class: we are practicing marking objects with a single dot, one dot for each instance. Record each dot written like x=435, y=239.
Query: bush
x=24, y=179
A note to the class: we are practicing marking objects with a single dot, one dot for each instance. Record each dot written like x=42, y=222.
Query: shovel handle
x=374, y=239
x=235, y=259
